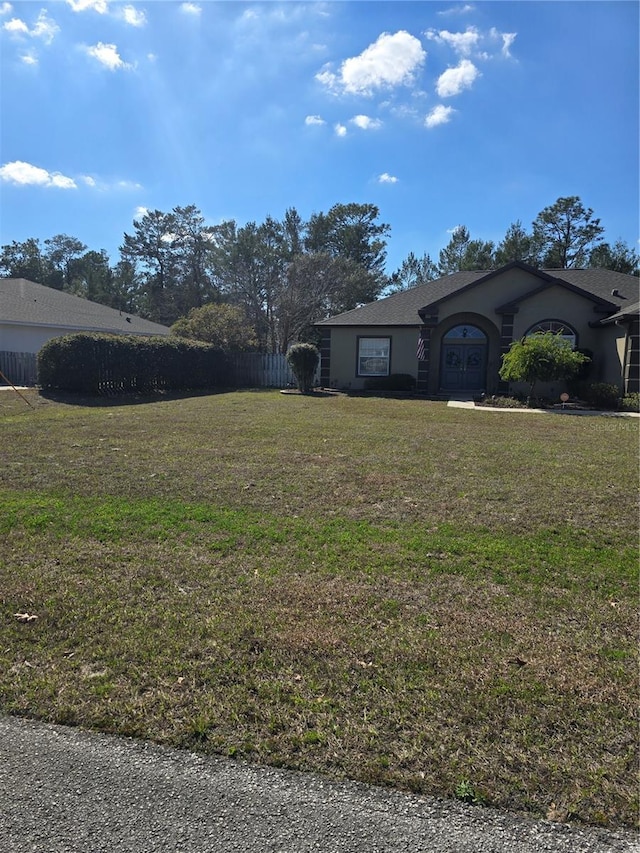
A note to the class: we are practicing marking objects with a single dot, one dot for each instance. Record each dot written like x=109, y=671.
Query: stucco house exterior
x=450, y=334
x=31, y=314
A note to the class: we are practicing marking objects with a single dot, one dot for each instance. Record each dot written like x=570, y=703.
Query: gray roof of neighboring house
x=401, y=309
x=27, y=303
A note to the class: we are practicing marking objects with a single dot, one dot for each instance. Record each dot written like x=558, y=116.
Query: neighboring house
x=450, y=334
x=31, y=314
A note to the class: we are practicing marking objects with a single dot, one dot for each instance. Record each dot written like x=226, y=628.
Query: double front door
x=463, y=365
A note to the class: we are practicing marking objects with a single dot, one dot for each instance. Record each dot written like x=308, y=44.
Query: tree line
x=262, y=285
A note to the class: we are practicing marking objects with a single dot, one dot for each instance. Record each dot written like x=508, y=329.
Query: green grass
x=390, y=590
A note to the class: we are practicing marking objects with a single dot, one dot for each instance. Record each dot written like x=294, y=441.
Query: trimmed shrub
x=631, y=402
x=124, y=364
x=404, y=382
x=602, y=395
x=303, y=360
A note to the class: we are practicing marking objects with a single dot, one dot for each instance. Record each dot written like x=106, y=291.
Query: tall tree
x=351, y=231
x=412, y=272
x=619, y=257
x=91, y=276
x=463, y=253
x=61, y=251
x=517, y=245
x=25, y=260
x=149, y=250
x=566, y=232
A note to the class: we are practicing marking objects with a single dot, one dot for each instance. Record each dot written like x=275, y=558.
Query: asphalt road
x=64, y=790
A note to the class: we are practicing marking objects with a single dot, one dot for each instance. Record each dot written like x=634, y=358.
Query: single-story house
x=450, y=334
x=31, y=314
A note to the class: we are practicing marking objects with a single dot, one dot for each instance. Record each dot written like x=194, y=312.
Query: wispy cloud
x=110, y=186
x=24, y=174
x=44, y=28
x=107, y=55
x=507, y=40
x=314, y=120
x=6, y=8
x=340, y=129
x=453, y=81
x=140, y=212
x=458, y=10
x=386, y=178
x=439, y=115
x=463, y=43
x=29, y=58
x=366, y=123
x=191, y=9
x=392, y=60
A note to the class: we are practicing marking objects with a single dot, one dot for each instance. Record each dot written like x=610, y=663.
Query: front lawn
x=395, y=591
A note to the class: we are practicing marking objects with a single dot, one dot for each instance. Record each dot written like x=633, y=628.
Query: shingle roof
x=28, y=303
x=402, y=309
x=626, y=313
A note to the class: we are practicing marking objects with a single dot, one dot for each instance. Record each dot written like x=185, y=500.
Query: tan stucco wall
x=344, y=352
x=476, y=306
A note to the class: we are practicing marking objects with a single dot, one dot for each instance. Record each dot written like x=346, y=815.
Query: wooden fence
x=262, y=370
x=19, y=368
x=249, y=369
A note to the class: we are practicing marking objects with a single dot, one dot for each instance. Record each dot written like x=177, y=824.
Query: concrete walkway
x=64, y=790
x=463, y=402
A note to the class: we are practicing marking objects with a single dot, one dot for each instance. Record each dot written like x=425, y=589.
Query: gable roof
x=24, y=302
x=611, y=289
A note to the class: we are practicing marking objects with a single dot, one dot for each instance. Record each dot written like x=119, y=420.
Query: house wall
x=344, y=352
x=23, y=338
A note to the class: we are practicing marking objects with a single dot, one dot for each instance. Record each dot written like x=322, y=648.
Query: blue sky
x=439, y=113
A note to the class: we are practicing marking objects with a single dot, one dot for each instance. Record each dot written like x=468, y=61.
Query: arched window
x=558, y=327
x=465, y=333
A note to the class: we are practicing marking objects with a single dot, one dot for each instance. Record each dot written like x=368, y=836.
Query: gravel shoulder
x=64, y=790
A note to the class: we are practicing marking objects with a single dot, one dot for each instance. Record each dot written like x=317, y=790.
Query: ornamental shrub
x=602, y=395
x=403, y=382
x=303, y=360
x=543, y=357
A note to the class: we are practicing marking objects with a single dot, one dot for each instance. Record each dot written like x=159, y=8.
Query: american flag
x=420, y=348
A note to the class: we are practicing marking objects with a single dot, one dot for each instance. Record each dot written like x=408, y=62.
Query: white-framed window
x=558, y=327
x=374, y=356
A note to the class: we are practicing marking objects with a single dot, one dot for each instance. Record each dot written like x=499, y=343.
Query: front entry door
x=463, y=363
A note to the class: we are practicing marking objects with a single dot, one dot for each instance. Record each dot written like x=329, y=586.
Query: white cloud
x=366, y=123
x=44, y=28
x=6, y=9
x=99, y=6
x=458, y=10
x=20, y=173
x=132, y=16
x=386, y=178
x=463, y=43
x=455, y=80
x=340, y=130
x=140, y=212
x=314, y=120
x=16, y=26
x=439, y=115
x=107, y=55
x=392, y=60
x=507, y=40
x=29, y=58
x=191, y=9
x=88, y=180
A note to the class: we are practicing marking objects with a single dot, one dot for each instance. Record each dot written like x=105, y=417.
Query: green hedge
x=403, y=382
x=128, y=364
